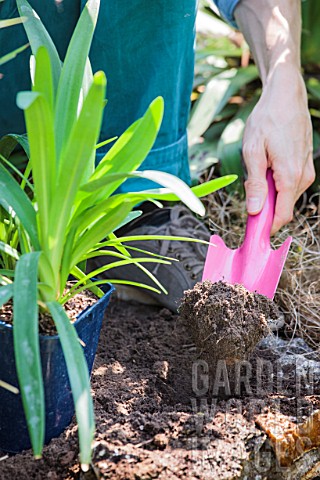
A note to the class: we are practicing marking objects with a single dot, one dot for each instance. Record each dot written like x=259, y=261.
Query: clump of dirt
x=226, y=321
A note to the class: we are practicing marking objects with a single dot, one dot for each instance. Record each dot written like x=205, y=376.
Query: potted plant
x=64, y=211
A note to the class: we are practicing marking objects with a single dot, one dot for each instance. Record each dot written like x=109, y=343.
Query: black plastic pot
x=14, y=435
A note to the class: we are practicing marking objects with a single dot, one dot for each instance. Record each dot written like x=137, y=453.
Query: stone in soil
x=226, y=321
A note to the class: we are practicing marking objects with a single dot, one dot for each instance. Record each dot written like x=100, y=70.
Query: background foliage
x=227, y=87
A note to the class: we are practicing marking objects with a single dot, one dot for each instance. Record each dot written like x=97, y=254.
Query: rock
x=161, y=441
x=67, y=458
x=295, y=365
x=279, y=346
x=52, y=476
x=161, y=368
x=166, y=314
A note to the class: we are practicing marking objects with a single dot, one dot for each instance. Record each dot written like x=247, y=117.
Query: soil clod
x=226, y=321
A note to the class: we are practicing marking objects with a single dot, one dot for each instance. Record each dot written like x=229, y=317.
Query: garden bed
x=156, y=418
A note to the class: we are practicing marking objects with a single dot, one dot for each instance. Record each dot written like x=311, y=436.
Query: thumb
x=256, y=187
x=256, y=193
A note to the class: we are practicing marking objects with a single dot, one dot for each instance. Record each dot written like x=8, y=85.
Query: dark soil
x=73, y=307
x=226, y=321
x=156, y=417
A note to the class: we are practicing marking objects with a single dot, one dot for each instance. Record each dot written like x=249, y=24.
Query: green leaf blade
x=11, y=195
x=100, y=230
x=127, y=154
x=27, y=349
x=80, y=145
x=216, y=95
x=10, y=141
x=43, y=81
x=10, y=56
x=40, y=127
x=74, y=68
x=8, y=250
x=6, y=292
x=230, y=144
x=177, y=186
x=79, y=379
x=9, y=22
x=202, y=190
x=38, y=36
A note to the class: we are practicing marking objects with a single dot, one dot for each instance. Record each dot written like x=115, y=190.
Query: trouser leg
x=146, y=50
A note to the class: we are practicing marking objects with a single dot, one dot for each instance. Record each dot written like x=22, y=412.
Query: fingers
x=309, y=176
x=290, y=186
x=284, y=210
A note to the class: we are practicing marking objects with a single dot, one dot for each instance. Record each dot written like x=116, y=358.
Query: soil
x=156, y=417
x=73, y=307
x=226, y=321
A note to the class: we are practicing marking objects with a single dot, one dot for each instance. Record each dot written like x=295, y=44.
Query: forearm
x=272, y=29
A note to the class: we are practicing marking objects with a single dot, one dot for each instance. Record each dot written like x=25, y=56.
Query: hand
x=278, y=135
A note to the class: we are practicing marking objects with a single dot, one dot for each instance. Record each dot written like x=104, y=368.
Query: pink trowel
x=254, y=265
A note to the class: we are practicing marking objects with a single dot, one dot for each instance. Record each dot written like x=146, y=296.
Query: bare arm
x=278, y=133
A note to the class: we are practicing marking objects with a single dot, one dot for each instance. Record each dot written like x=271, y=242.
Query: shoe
x=176, y=277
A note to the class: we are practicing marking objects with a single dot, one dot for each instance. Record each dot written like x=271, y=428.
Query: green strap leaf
x=124, y=261
x=126, y=155
x=131, y=148
x=131, y=216
x=164, y=194
x=200, y=191
x=75, y=65
x=11, y=195
x=216, y=95
x=100, y=230
x=9, y=22
x=177, y=186
x=230, y=143
x=8, y=250
x=134, y=238
x=10, y=56
x=79, y=379
x=79, y=274
x=94, y=185
x=83, y=220
x=40, y=126
x=9, y=142
x=26, y=347
x=38, y=37
x=43, y=81
x=113, y=281
x=80, y=145
x=13, y=168
x=6, y=292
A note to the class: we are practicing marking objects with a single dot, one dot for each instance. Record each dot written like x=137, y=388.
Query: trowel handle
x=259, y=226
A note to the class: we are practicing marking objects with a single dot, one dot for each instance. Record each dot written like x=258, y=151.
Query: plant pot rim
x=108, y=288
